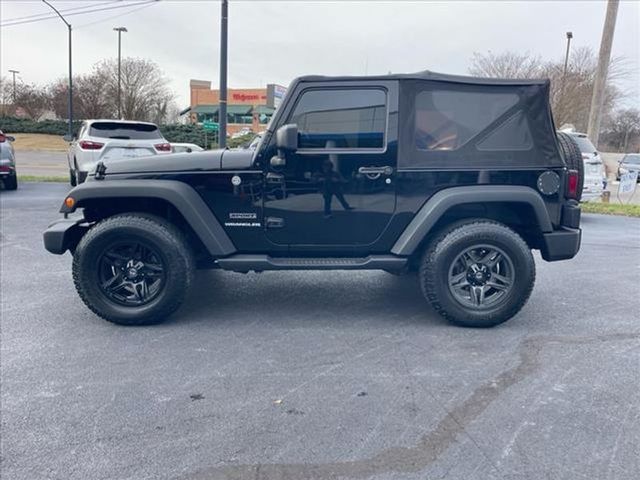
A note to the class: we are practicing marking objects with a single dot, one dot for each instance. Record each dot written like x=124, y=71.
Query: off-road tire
x=163, y=235
x=11, y=182
x=572, y=158
x=451, y=242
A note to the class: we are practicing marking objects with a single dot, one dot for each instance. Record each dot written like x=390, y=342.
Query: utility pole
x=222, y=111
x=120, y=30
x=70, y=131
x=597, y=99
x=14, y=72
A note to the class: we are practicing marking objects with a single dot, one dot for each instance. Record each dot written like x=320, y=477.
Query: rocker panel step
x=258, y=263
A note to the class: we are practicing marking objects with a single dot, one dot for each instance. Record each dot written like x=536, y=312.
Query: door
x=337, y=190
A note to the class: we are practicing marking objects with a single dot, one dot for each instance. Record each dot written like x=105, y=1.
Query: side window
x=341, y=118
x=447, y=119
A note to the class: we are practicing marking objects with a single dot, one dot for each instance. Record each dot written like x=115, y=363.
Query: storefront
x=247, y=108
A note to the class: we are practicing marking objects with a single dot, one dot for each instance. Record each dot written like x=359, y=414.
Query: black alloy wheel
x=131, y=273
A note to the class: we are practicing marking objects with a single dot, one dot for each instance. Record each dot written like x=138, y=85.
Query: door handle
x=374, y=172
x=274, y=222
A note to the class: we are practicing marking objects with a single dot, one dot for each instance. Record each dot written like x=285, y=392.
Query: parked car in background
x=8, y=162
x=629, y=163
x=185, y=148
x=108, y=139
x=242, y=132
x=255, y=141
x=595, y=178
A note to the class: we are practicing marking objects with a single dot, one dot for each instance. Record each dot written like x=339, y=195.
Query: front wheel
x=477, y=273
x=133, y=269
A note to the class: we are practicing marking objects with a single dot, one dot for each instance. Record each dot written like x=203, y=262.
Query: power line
x=115, y=16
x=129, y=5
x=48, y=13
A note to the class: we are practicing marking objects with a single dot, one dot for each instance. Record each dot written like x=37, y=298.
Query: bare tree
x=145, y=91
x=32, y=99
x=506, y=65
x=622, y=131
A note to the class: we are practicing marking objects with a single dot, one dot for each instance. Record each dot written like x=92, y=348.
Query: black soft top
x=432, y=76
x=456, y=121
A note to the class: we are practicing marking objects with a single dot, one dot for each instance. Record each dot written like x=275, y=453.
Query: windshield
x=125, y=131
x=635, y=159
x=584, y=144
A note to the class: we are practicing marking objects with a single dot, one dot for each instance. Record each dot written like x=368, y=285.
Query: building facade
x=247, y=108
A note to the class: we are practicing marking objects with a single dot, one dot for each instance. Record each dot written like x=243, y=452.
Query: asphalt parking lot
x=317, y=375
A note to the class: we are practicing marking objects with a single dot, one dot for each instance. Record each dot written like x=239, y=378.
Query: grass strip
x=627, y=210
x=42, y=178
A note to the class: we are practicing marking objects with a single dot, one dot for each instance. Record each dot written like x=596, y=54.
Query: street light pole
x=120, y=30
x=70, y=131
x=14, y=72
x=564, y=71
x=222, y=111
x=566, y=57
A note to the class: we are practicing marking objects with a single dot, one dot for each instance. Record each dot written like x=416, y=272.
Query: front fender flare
x=183, y=197
x=443, y=200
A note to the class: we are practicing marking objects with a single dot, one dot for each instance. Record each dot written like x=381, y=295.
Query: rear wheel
x=72, y=178
x=133, y=269
x=477, y=273
x=572, y=158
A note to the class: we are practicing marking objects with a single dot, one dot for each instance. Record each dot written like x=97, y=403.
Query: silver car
x=8, y=162
x=629, y=163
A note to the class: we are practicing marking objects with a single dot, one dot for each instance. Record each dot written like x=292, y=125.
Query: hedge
x=24, y=125
x=175, y=133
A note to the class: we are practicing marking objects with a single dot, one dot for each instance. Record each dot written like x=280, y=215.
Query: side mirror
x=287, y=138
x=189, y=150
x=68, y=138
x=10, y=138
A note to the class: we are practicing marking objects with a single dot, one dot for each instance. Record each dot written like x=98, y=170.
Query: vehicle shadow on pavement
x=287, y=298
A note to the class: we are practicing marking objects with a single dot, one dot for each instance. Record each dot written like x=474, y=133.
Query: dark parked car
x=455, y=178
x=8, y=162
x=629, y=163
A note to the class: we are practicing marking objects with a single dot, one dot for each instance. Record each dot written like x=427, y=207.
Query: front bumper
x=64, y=235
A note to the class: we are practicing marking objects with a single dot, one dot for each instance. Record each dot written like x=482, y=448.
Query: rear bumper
x=64, y=235
x=564, y=242
x=561, y=244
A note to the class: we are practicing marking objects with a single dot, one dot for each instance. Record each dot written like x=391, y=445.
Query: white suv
x=108, y=139
x=595, y=179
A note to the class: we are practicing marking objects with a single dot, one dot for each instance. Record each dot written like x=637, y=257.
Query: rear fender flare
x=439, y=203
x=183, y=197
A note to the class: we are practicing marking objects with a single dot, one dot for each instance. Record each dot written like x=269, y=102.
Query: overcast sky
x=273, y=42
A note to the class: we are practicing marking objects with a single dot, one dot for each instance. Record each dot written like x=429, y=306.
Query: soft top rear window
x=124, y=131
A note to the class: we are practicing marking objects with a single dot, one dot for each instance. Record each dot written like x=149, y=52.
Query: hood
x=182, y=162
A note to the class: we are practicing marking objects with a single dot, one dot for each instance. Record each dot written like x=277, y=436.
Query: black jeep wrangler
x=455, y=178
